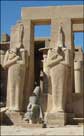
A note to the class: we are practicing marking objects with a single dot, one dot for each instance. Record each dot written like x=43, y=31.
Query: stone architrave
x=16, y=62
x=58, y=61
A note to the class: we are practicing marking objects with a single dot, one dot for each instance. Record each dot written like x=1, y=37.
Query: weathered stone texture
x=66, y=24
x=52, y=12
x=57, y=82
x=78, y=70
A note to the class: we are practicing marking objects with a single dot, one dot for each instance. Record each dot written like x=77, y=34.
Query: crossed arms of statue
x=8, y=62
x=22, y=59
x=55, y=58
x=52, y=62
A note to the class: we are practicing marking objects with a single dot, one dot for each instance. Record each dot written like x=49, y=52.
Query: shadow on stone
x=6, y=121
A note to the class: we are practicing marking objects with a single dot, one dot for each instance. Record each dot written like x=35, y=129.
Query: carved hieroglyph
x=58, y=61
x=16, y=61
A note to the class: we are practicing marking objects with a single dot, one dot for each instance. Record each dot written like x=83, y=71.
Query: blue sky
x=11, y=13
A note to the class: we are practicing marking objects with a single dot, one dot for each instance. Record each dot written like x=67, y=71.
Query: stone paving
x=63, y=131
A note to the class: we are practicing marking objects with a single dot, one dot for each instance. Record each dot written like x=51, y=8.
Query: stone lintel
x=46, y=13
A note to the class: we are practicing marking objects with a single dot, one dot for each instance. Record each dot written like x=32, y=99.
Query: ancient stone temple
x=54, y=64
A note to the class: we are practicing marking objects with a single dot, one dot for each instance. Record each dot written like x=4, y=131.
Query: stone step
x=16, y=118
x=2, y=111
x=78, y=121
x=27, y=125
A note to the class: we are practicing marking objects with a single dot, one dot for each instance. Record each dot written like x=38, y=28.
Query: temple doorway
x=42, y=34
x=38, y=57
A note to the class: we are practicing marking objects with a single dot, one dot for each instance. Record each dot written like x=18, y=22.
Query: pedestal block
x=16, y=118
x=59, y=119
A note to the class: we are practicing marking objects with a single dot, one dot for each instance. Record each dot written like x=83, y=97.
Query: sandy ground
x=63, y=131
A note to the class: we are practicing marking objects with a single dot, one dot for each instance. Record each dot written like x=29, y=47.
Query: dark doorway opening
x=38, y=57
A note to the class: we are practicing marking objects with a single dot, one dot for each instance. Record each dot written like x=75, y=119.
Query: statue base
x=16, y=118
x=59, y=119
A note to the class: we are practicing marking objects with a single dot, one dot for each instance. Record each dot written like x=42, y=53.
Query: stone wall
x=78, y=104
x=47, y=98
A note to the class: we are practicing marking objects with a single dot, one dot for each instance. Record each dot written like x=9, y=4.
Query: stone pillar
x=61, y=118
x=28, y=42
x=78, y=74
x=67, y=31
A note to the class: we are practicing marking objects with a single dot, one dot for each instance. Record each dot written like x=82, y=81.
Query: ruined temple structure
x=40, y=60
x=4, y=46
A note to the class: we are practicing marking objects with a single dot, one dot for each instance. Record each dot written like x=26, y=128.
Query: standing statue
x=58, y=61
x=16, y=60
x=34, y=110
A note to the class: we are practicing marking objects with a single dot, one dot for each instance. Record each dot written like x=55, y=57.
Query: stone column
x=62, y=118
x=28, y=42
x=67, y=30
x=78, y=75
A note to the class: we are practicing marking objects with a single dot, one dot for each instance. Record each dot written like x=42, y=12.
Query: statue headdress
x=60, y=42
